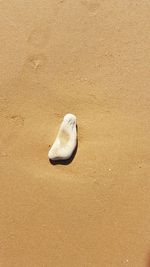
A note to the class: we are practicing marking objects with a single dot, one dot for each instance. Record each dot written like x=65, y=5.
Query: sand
x=90, y=58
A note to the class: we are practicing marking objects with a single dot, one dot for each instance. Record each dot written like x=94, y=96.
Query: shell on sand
x=66, y=140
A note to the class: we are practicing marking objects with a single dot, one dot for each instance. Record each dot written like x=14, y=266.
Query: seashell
x=66, y=140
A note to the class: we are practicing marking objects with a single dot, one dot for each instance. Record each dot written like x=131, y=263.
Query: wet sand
x=90, y=58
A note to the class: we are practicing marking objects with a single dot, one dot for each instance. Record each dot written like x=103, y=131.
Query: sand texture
x=90, y=58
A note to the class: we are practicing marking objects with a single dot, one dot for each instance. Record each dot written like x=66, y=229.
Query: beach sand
x=90, y=58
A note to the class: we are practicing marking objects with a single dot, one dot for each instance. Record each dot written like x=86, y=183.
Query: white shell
x=66, y=140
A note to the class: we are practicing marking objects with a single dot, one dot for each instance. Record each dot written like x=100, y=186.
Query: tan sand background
x=91, y=58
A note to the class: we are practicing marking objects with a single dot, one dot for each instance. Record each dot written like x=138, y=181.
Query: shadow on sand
x=148, y=260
